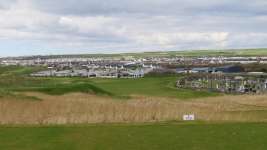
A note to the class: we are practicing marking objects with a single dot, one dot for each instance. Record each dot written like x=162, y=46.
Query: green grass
x=164, y=136
x=16, y=79
x=61, y=89
x=149, y=86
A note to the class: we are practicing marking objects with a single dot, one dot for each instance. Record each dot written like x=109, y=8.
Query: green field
x=197, y=53
x=161, y=136
x=16, y=79
x=231, y=53
x=187, y=53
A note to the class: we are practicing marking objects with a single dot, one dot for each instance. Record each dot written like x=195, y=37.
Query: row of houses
x=52, y=60
x=103, y=73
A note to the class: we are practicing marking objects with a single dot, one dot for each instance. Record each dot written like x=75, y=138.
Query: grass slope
x=170, y=136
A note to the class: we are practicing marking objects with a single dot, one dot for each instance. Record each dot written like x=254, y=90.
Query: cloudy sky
x=31, y=27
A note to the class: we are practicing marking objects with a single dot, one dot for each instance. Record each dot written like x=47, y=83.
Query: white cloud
x=111, y=25
x=89, y=24
x=166, y=39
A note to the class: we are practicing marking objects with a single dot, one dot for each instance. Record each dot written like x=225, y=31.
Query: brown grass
x=83, y=108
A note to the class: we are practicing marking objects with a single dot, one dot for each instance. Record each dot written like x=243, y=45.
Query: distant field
x=173, y=53
x=161, y=136
x=195, y=53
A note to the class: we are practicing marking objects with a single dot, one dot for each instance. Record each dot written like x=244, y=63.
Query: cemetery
x=226, y=83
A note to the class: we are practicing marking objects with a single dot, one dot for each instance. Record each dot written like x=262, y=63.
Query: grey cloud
x=126, y=25
x=152, y=7
x=5, y=4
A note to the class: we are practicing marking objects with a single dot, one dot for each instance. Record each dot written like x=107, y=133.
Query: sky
x=45, y=27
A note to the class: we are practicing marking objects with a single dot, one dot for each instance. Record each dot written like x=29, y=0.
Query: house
x=202, y=70
x=223, y=69
x=139, y=73
x=64, y=73
x=181, y=70
x=265, y=84
x=228, y=69
x=43, y=73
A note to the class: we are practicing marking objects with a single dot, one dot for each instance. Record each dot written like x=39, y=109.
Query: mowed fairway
x=149, y=86
x=168, y=136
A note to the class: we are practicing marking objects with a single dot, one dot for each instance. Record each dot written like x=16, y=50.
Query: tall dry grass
x=83, y=108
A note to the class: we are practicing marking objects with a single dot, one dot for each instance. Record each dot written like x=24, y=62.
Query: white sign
x=188, y=117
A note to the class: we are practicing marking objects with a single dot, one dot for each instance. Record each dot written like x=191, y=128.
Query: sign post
x=189, y=117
